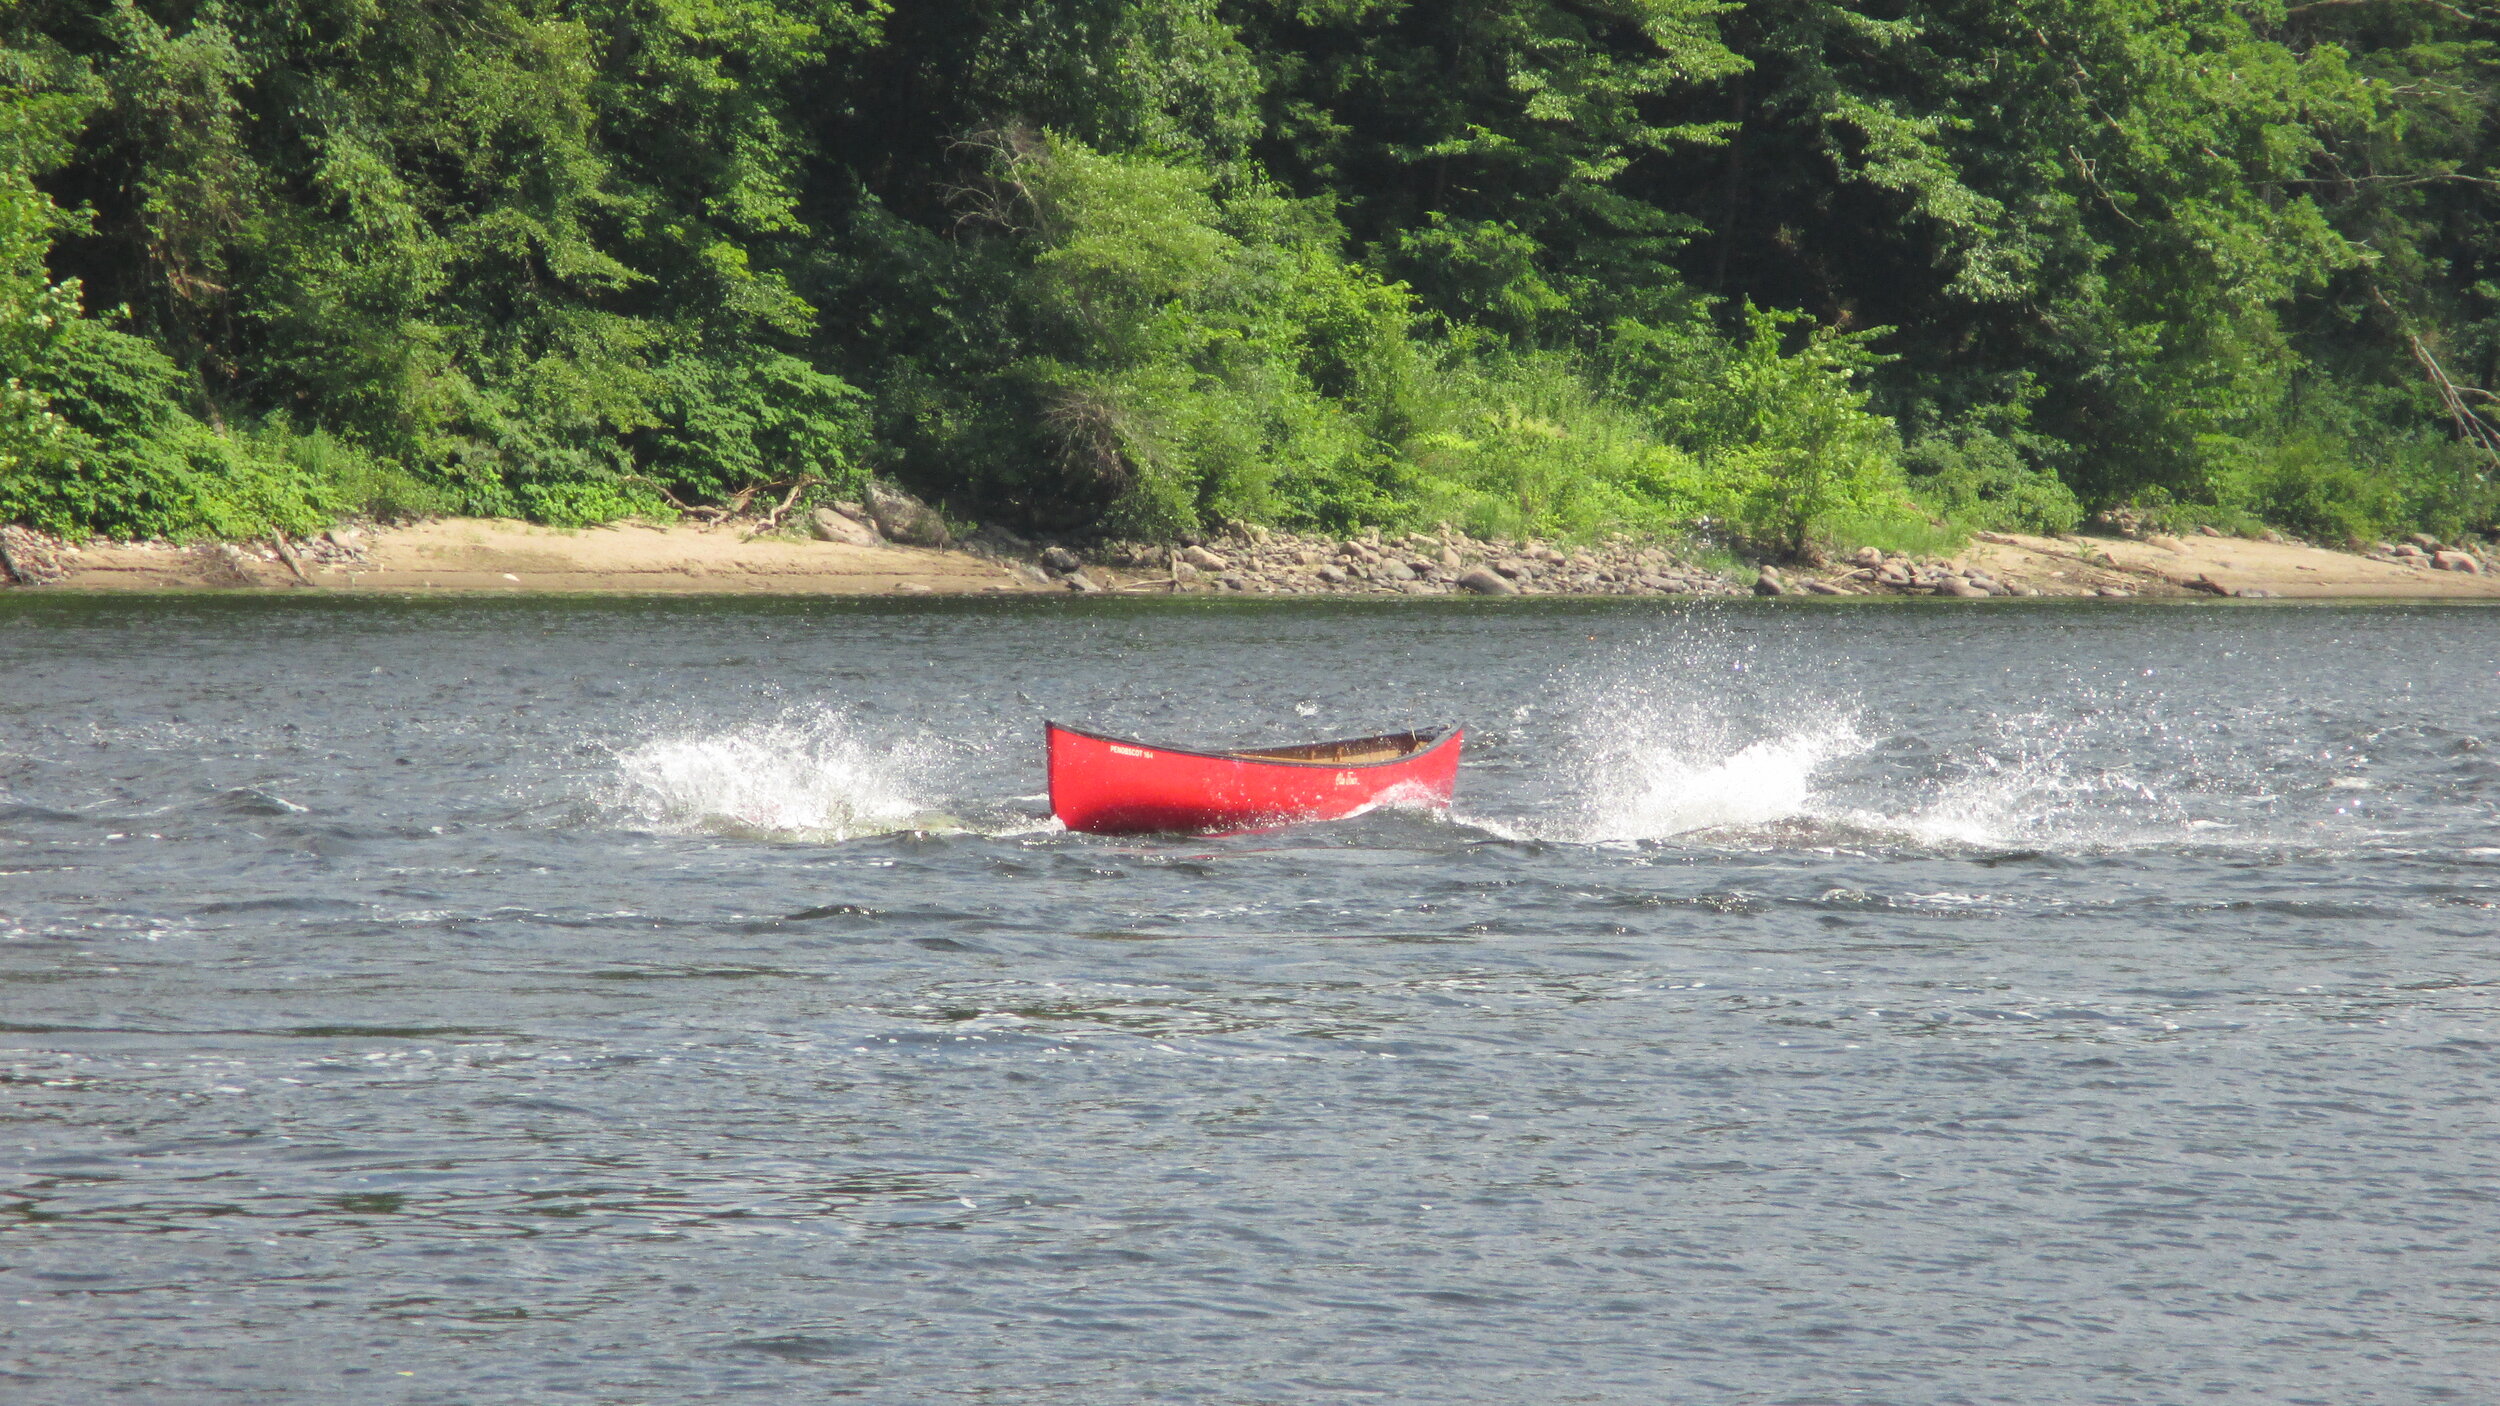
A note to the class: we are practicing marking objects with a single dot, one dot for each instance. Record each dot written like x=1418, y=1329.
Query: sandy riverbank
x=487, y=556
x=491, y=555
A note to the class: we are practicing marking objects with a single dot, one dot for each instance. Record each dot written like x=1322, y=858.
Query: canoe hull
x=1113, y=786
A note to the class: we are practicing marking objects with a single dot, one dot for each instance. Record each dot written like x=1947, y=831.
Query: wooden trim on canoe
x=1385, y=749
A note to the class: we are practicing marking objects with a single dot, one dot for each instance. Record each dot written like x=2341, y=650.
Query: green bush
x=130, y=462
x=1786, y=440
x=1983, y=474
x=1527, y=445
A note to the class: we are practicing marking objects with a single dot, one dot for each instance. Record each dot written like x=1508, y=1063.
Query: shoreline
x=494, y=556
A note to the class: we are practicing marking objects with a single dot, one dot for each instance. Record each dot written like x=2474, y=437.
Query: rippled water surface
x=532, y=1001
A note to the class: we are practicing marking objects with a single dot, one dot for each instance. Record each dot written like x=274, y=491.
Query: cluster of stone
x=1254, y=560
x=31, y=558
x=2424, y=550
x=1874, y=572
x=884, y=515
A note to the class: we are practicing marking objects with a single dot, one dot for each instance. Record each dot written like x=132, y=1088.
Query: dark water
x=616, y=1002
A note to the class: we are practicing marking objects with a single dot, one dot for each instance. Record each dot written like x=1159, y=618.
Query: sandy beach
x=494, y=555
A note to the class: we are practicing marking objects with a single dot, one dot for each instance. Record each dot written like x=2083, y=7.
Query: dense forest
x=1785, y=271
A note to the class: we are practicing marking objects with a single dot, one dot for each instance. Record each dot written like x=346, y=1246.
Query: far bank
x=485, y=555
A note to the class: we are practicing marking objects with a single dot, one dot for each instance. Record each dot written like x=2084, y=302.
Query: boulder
x=1770, y=583
x=1867, y=557
x=1824, y=588
x=2456, y=561
x=1205, y=560
x=1449, y=559
x=2423, y=540
x=1960, y=589
x=1059, y=561
x=1183, y=572
x=829, y=526
x=903, y=518
x=1332, y=575
x=1487, y=583
x=1395, y=571
x=1081, y=583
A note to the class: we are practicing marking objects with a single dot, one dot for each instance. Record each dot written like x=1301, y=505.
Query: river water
x=468, y=1001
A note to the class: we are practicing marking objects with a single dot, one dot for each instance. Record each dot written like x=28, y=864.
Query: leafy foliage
x=1792, y=271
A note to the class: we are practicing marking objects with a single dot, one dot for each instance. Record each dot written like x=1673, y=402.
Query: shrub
x=1785, y=439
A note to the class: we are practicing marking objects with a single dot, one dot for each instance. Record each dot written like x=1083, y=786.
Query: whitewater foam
x=801, y=776
x=1656, y=788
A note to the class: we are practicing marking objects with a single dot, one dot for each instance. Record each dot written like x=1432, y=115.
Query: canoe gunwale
x=1438, y=738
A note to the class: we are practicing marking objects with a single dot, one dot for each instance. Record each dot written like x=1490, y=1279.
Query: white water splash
x=801, y=776
x=1653, y=788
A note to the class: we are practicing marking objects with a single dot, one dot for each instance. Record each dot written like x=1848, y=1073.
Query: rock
x=903, y=518
x=1205, y=560
x=2206, y=529
x=1549, y=556
x=1395, y=571
x=1484, y=582
x=1449, y=559
x=2254, y=593
x=1770, y=583
x=1824, y=588
x=1081, y=583
x=826, y=525
x=2456, y=561
x=1233, y=581
x=2113, y=592
x=2167, y=544
x=2277, y=538
x=2406, y=551
x=1962, y=590
x=1183, y=572
x=1515, y=569
x=1867, y=557
x=2423, y=540
x=1332, y=575
x=856, y=513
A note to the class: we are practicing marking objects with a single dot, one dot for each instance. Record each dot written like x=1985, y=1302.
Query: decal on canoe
x=1130, y=751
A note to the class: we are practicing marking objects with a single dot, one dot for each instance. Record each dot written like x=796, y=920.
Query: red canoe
x=1112, y=786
